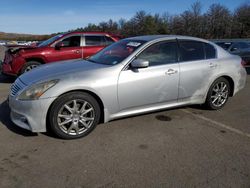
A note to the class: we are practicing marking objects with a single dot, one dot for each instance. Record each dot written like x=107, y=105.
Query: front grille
x=16, y=87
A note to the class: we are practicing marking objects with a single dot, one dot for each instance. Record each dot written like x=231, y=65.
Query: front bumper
x=30, y=115
x=12, y=64
x=7, y=70
x=1, y=65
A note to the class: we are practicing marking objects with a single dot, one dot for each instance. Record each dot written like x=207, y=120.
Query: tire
x=218, y=94
x=29, y=66
x=74, y=115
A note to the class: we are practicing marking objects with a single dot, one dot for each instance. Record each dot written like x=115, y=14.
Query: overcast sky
x=50, y=16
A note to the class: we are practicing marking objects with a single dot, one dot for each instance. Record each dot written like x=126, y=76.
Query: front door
x=157, y=83
x=71, y=49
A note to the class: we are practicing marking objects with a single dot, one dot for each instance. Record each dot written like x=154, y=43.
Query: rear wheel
x=29, y=66
x=218, y=94
x=74, y=115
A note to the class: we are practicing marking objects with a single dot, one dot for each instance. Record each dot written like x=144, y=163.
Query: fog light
x=24, y=120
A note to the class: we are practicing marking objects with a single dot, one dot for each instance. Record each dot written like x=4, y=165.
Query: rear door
x=95, y=43
x=198, y=64
x=71, y=49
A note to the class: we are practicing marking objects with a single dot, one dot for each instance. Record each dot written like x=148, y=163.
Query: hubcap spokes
x=219, y=94
x=75, y=117
x=30, y=68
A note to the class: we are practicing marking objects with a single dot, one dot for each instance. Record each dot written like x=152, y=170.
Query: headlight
x=35, y=91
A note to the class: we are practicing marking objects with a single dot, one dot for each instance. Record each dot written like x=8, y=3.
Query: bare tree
x=219, y=21
x=241, y=22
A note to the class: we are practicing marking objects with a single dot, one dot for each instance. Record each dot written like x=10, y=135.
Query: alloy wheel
x=219, y=94
x=76, y=117
x=30, y=67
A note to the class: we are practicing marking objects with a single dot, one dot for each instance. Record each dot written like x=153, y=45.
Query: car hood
x=17, y=48
x=59, y=70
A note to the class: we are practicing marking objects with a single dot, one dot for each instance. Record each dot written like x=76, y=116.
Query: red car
x=73, y=45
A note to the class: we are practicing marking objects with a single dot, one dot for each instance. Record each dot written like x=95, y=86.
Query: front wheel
x=218, y=94
x=74, y=115
x=29, y=66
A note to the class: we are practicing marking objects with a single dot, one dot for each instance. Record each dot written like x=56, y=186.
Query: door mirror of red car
x=59, y=45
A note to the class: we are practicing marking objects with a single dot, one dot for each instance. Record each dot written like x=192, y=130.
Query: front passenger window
x=73, y=41
x=160, y=53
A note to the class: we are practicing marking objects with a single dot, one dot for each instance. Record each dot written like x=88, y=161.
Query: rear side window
x=95, y=40
x=160, y=53
x=191, y=50
x=210, y=51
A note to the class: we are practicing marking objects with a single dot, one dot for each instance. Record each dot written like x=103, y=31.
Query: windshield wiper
x=93, y=61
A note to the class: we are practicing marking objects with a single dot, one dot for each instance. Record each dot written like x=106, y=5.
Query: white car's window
x=160, y=53
x=191, y=50
x=210, y=51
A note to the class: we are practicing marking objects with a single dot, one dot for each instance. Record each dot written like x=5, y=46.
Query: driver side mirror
x=59, y=45
x=139, y=63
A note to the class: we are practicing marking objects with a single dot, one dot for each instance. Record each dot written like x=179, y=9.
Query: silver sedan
x=133, y=76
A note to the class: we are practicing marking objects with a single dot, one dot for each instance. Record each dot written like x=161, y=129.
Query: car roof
x=148, y=38
x=88, y=33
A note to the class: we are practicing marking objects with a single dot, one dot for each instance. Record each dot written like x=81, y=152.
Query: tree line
x=22, y=37
x=217, y=22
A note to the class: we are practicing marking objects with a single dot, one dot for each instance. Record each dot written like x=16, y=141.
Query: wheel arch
x=30, y=59
x=98, y=99
x=231, y=83
x=38, y=59
x=229, y=79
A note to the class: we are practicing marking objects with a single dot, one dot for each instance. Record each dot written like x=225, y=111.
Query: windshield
x=224, y=45
x=116, y=52
x=50, y=40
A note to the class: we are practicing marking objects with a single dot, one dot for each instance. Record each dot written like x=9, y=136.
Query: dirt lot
x=185, y=147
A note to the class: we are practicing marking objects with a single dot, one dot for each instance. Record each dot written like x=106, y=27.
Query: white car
x=132, y=76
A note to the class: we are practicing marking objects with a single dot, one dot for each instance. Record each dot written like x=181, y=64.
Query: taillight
x=243, y=63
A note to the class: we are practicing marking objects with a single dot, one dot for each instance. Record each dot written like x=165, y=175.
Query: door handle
x=171, y=71
x=212, y=65
x=77, y=51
